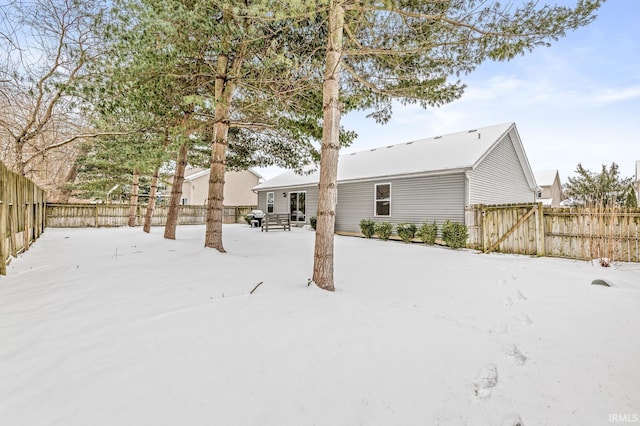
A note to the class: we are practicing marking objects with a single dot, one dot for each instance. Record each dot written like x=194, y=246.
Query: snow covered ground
x=117, y=327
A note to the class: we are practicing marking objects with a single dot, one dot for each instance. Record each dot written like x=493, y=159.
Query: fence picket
x=22, y=206
x=113, y=215
x=556, y=232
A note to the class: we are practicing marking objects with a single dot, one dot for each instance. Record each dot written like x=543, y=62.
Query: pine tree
x=606, y=188
x=408, y=51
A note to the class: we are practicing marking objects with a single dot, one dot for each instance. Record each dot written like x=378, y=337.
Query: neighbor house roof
x=545, y=177
x=195, y=173
x=440, y=154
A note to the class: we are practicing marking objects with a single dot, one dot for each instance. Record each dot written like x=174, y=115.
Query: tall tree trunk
x=176, y=193
x=215, y=199
x=133, y=200
x=327, y=187
x=152, y=201
x=223, y=94
x=20, y=166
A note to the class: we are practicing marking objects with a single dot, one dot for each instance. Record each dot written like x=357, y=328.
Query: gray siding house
x=416, y=182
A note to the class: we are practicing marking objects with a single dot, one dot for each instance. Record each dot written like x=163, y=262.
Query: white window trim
x=375, y=199
x=273, y=203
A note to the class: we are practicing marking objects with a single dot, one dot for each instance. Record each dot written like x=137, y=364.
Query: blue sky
x=577, y=101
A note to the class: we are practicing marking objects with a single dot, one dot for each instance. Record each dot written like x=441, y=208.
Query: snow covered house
x=549, y=190
x=423, y=180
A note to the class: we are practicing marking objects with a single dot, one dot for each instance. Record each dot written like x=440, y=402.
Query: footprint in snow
x=507, y=301
x=499, y=329
x=523, y=319
x=511, y=419
x=514, y=353
x=520, y=296
x=486, y=380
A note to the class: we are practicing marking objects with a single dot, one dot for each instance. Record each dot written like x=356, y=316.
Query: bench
x=276, y=221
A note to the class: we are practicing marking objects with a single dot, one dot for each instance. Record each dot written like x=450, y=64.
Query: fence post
x=540, y=249
x=4, y=252
x=26, y=226
x=483, y=228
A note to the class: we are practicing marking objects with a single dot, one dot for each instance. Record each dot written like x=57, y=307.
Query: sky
x=577, y=101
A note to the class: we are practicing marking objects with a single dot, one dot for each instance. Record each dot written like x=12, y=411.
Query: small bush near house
x=367, y=227
x=406, y=231
x=248, y=219
x=313, y=220
x=427, y=233
x=383, y=230
x=454, y=234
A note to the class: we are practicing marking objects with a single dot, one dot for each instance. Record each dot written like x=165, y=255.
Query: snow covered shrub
x=427, y=233
x=406, y=231
x=312, y=221
x=383, y=230
x=367, y=227
x=454, y=234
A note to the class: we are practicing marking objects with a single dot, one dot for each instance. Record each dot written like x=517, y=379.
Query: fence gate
x=508, y=228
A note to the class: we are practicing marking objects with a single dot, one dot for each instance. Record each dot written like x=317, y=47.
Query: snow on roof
x=195, y=173
x=192, y=174
x=545, y=177
x=455, y=151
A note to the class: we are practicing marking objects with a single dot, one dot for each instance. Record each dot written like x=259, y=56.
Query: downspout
x=467, y=189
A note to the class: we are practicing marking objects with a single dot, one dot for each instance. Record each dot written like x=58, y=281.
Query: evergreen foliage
x=406, y=231
x=383, y=230
x=413, y=52
x=367, y=228
x=454, y=234
x=606, y=188
x=428, y=233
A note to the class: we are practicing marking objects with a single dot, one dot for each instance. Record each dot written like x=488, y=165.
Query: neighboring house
x=549, y=190
x=424, y=180
x=237, y=187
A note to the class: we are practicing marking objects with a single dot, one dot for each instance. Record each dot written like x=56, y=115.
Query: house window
x=270, y=202
x=184, y=201
x=383, y=199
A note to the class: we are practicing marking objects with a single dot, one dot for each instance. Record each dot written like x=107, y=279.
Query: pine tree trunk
x=152, y=202
x=133, y=200
x=223, y=94
x=215, y=199
x=327, y=187
x=176, y=193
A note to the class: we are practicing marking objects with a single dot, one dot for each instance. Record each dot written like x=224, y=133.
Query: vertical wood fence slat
x=575, y=233
x=22, y=206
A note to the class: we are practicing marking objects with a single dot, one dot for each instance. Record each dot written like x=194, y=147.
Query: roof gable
x=545, y=177
x=440, y=154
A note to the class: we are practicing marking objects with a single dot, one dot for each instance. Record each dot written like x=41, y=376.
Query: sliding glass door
x=297, y=206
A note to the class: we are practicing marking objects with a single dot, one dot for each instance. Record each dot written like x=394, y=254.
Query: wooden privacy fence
x=576, y=233
x=22, y=214
x=111, y=215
